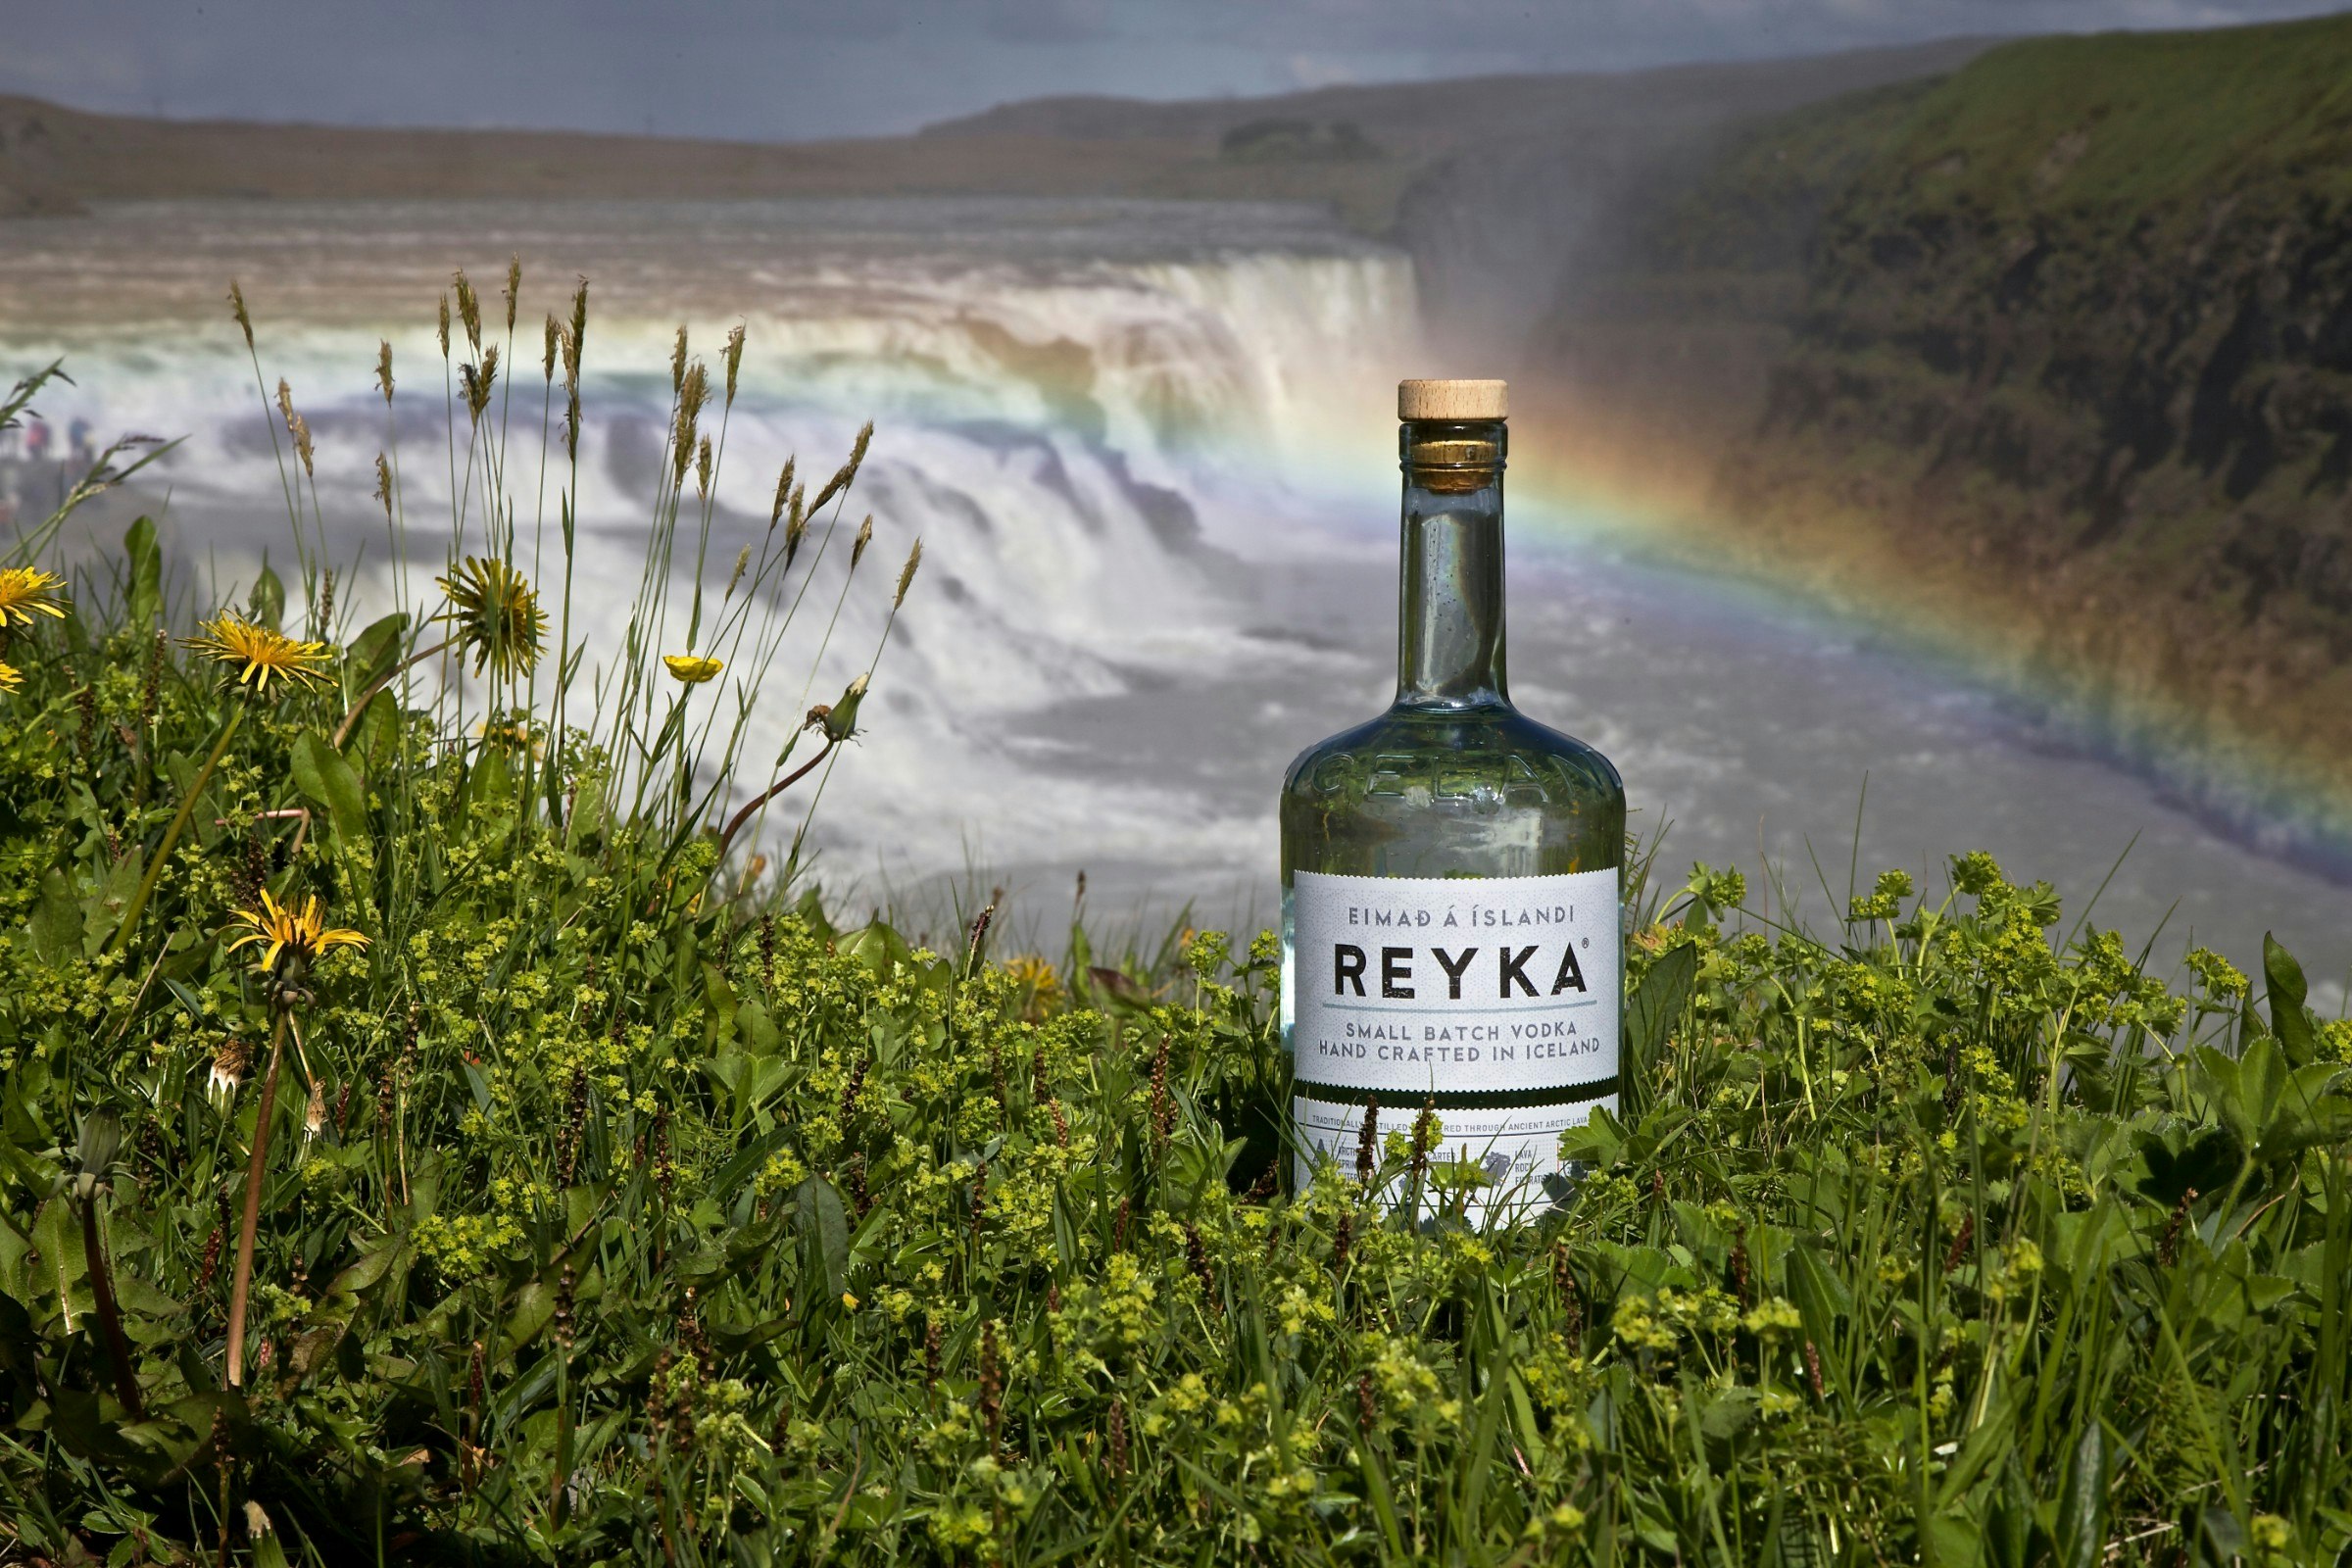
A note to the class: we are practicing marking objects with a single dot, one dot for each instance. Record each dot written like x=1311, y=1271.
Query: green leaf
x=825, y=1225
x=879, y=948
x=146, y=571
x=2083, y=1510
x=534, y=1306
x=268, y=605
x=2287, y=991
x=755, y=1028
x=1657, y=1002
x=327, y=780
x=64, y=1267
x=55, y=924
x=370, y=1267
x=372, y=653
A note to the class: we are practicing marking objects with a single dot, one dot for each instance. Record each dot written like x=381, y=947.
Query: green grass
x=2142, y=124
x=615, y=1206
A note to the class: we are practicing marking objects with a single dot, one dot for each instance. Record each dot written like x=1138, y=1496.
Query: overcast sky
x=797, y=69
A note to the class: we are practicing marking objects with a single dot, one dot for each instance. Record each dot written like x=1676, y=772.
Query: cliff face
x=2060, y=344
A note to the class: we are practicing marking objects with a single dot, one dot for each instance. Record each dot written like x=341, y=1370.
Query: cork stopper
x=1459, y=401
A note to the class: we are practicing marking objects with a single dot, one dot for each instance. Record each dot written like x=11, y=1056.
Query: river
x=1149, y=450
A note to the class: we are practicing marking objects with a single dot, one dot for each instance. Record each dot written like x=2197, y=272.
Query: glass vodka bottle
x=1451, y=870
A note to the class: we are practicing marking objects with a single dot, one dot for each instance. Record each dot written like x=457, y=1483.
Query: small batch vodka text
x=1450, y=871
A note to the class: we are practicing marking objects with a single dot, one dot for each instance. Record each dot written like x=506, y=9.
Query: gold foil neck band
x=1452, y=457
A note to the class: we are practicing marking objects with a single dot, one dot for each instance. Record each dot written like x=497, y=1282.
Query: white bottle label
x=1509, y=989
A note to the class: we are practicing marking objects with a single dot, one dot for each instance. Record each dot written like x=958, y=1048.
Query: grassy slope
x=2061, y=343
x=2169, y=122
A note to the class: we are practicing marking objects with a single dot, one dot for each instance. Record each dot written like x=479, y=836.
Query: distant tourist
x=77, y=436
x=36, y=441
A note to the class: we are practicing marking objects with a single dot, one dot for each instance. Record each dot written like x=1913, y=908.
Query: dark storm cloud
x=817, y=68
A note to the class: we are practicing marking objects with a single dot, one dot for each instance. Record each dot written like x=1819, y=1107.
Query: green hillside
x=2063, y=339
x=2122, y=128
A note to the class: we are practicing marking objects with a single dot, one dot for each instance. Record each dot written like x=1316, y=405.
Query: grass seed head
x=514, y=290
x=477, y=382
x=914, y=558
x=795, y=524
x=847, y=471
x=734, y=359
x=442, y=327
x=383, y=368
x=469, y=309
x=865, y=536
x=678, y=362
x=236, y=309
x=578, y=337
x=554, y=346
x=783, y=496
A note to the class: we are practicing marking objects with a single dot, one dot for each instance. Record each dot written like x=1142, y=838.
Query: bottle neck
x=1449, y=651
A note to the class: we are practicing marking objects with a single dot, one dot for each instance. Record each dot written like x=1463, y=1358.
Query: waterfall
x=1091, y=439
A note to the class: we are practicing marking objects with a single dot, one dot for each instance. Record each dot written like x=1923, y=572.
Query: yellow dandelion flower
x=304, y=933
x=516, y=733
x=25, y=592
x=10, y=677
x=691, y=671
x=496, y=616
x=230, y=639
x=1037, y=976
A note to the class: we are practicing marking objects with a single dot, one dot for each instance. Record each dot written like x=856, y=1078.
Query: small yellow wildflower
x=303, y=932
x=10, y=677
x=230, y=639
x=691, y=671
x=25, y=592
